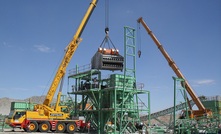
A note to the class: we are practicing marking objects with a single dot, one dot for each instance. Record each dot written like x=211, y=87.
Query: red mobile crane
x=192, y=113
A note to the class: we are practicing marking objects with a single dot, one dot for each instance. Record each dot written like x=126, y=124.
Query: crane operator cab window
x=18, y=115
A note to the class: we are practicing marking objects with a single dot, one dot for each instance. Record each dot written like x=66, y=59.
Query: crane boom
x=68, y=55
x=175, y=68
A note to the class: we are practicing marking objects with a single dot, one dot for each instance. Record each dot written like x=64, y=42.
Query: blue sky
x=33, y=35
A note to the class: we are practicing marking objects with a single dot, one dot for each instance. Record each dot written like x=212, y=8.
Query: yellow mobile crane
x=192, y=113
x=44, y=118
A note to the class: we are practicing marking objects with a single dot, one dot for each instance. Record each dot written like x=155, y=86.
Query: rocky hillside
x=5, y=103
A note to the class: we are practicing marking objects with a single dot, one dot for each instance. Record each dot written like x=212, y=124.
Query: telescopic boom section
x=173, y=66
x=68, y=55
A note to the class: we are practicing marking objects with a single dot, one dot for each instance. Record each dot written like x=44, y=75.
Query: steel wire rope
x=139, y=39
x=107, y=14
x=52, y=74
x=107, y=39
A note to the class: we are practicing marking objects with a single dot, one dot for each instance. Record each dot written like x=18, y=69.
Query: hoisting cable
x=138, y=40
x=107, y=39
x=51, y=77
x=107, y=57
x=106, y=17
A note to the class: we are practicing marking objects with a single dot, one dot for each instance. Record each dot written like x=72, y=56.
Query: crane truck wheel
x=71, y=127
x=44, y=126
x=33, y=126
x=60, y=128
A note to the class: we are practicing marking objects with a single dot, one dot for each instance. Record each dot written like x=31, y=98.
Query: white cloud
x=11, y=89
x=6, y=44
x=129, y=12
x=43, y=48
x=204, y=82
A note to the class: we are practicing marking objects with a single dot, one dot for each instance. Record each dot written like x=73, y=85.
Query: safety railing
x=79, y=69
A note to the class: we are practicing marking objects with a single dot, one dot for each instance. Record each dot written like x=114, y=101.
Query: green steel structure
x=178, y=124
x=184, y=125
x=2, y=123
x=111, y=104
x=213, y=103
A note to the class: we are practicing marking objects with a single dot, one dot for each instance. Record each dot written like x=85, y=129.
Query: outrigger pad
x=104, y=61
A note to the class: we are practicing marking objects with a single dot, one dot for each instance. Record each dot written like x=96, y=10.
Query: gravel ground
x=19, y=131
